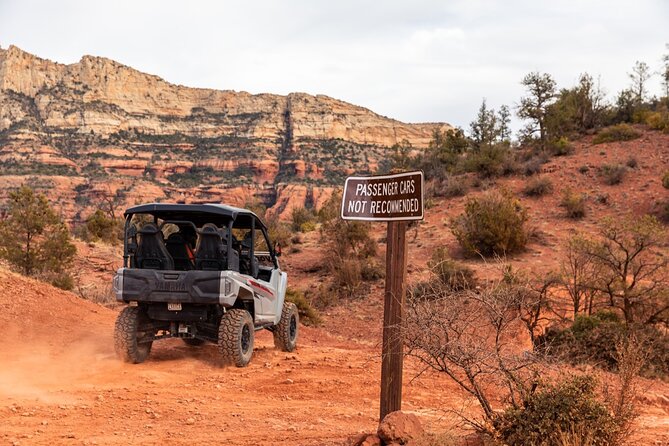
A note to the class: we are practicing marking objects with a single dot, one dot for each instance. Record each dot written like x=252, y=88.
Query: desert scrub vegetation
x=308, y=314
x=448, y=187
x=472, y=336
x=617, y=284
x=573, y=204
x=35, y=240
x=631, y=272
x=448, y=273
x=566, y=409
x=349, y=253
x=302, y=219
x=665, y=180
x=619, y=132
x=613, y=174
x=561, y=147
x=593, y=339
x=538, y=187
x=492, y=224
x=101, y=226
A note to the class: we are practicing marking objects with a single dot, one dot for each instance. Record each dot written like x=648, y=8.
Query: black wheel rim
x=246, y=338
x=292, y=330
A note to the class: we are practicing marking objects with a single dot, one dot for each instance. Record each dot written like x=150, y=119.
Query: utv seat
x=248, y=265
x=211, y=251
x=178, y=248
x=151, y=251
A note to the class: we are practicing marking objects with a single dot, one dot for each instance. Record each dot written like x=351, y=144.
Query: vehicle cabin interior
x=179, y=237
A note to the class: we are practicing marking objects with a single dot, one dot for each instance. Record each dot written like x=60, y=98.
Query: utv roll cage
x=195, y=216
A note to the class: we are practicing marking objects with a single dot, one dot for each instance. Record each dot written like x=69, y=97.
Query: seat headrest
x=149, y=228
x=176, y=238
x=208, y=230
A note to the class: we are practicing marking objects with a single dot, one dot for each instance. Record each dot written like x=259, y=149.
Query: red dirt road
x=60, y=383
x=63, y=384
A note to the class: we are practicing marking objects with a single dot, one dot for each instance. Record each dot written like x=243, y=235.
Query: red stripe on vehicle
x=257, y=285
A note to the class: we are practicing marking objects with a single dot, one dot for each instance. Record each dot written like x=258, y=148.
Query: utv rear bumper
x=199, y=287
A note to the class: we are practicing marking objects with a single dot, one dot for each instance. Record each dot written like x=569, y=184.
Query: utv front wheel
x=235, y=337
x=132, y=340
x=285, y=333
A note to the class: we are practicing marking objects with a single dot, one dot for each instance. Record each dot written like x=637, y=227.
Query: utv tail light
x=117, y=285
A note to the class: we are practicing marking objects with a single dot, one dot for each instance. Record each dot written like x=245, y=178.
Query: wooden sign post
x=396, y=199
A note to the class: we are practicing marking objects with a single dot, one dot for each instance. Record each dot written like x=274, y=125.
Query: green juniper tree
x=34, y=238
x=541, y=89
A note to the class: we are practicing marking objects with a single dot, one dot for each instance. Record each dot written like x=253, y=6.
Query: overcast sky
x=415, y=60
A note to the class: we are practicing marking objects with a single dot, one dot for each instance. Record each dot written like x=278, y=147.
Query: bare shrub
x=448, y=187
x=349, y=250
x=632, y=162
x=579, y=273
x=455, y=276
x=537, y=187
x=613, y=174
x=533, y=165
x=471, y=336
x=633, y=275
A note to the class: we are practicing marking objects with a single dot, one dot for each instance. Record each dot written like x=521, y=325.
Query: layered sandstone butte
x=97, y=131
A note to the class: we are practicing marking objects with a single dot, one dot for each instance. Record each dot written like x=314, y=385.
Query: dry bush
x=448, y=187
x=471, y=336
x=302, y=220
x=490, y=161
x=620, y=132
x=632, y=162
x=538, y=187
x=573, y=203
x=349, y=250
x=658, y=120
x=613, y=174
x=568, y=409
x=453, y=275
x=561, y=147
x=665, y=180
x=579, y=272
x=634, y=276
x=308, y=314
x=492, y=224
x=533, y=165
x=100, y=294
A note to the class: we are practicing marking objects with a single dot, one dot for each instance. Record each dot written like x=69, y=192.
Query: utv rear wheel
x=132, y=335
x=285, y=333
x=235, y=337
x=193, y=342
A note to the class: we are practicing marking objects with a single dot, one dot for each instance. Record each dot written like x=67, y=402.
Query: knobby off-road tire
x=193, y=342
x=128, y=333
x=235, y=337
x=285, y=333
